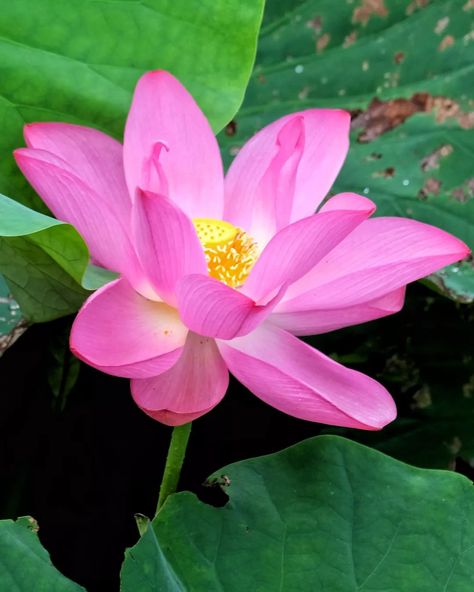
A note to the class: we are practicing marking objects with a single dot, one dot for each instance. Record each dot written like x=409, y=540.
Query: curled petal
x=163, y=113
x=284, y=172
x=191, y=388
x=300, y=381
x=124, y=334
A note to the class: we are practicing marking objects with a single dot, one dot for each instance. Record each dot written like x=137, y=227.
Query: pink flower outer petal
x=94, y=157
x=290, y=375
x=210, y=307
x=106, y=234
x=191, y=388
x=315, y=322
x=122, y=333
x=164, y=113
x=380, y=256
x=166, y=242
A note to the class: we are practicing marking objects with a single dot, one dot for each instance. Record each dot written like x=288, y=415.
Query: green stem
x=174, y=462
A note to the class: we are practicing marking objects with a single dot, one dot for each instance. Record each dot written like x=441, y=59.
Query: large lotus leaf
x=24, y=564
x=325, y=514
x=79, y=61
x=404, y=68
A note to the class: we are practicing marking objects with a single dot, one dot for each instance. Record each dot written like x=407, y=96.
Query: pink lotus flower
x=221, y=275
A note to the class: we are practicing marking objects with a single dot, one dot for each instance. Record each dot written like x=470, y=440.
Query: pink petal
x=121, y=333
x=296, y=249
x=71, y=200
x=211, y=308
x=378, y=257
x=348, y=201
x=166, y=242
x=313, y=322
x=94, y=157
x=267, y=199
x=300, y=381
x=191, y=388
x=289, y=165
x=163, y=114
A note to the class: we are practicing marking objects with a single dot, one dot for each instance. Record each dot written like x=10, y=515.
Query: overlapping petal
x=286, y=169
x=169, y=141
x=124, y=334
x=105, y=232
x=191, y=388
x=211, y=308
x=297, y=248
x=300, y=381
x=94, y=157
x=314, y=322
x=166, y=242
x=378, y=257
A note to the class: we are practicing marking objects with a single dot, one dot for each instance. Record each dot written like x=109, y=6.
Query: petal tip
x=387, y=414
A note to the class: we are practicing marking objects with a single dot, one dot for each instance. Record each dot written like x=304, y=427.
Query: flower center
x=230, y=252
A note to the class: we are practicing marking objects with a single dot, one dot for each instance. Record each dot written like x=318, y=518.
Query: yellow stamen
x=230, y=252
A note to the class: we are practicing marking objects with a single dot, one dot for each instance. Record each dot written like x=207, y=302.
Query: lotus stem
x=174, y=462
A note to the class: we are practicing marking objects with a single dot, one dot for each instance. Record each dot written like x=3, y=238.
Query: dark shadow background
x=84, y=472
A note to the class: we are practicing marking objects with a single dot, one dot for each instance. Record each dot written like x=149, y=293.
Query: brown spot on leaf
x=469, y=5
x=387, y=173
x=33, y=524
x=459, y=194
x=446, y=42
x=350, y=39
x=464, y=193
x=415, y=5
x=382, y=116
x=322, y=42
x=231, y=128
x=431, y=161
x=431, y=187
x=316, y=23
x=373, y=156
x=399, y=57
x=220, y=481
x=446, y=108
x=368, y=8
x=261, y=78
x=441, y=25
